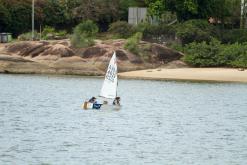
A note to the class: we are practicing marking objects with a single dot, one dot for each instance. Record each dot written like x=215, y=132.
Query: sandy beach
x=190, y=74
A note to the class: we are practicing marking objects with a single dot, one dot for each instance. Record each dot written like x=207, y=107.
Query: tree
x=20, y=17
x=54, y=13
x=5, y=18
x=156, y=7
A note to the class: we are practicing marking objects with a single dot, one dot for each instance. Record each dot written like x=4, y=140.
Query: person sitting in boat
x=92, y=100
x=116, y=101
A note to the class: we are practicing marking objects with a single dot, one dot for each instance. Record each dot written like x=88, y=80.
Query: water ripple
x=177, y=123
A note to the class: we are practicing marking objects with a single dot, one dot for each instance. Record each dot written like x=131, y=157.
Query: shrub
x=141, y=27
x=241, y=58
x=28, y=36
x=216, y=54
x=158, y=30
x=121, y=29
x=156, y=33
x=234, y=35
x=49, y=33
x=176, y=46
x=229, y=54
x=132, y=43
x=84, y=34
x=194, y=31
x=61, y=34
x=203, y=54
x=48, y=30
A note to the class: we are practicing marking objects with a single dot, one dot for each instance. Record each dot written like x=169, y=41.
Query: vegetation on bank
x=218, y=43
x=214, y=54
x=132, y=43
x=84, y=34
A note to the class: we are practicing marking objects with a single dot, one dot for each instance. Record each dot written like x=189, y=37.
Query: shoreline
x=208, y=75
x=189, y=74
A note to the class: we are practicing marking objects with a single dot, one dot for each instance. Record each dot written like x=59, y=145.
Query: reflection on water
x=41, y=122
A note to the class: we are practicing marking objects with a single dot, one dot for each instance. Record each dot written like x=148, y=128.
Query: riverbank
x=59, y=57
x=189, y=74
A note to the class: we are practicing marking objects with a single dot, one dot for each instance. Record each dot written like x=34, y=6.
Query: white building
x=137, y=15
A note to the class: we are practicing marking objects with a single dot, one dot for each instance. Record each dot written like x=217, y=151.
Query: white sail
x=109, y=88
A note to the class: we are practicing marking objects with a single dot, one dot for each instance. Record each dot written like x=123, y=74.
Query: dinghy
x=109, y=88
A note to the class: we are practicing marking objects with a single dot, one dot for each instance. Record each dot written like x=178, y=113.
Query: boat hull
x=91, y=106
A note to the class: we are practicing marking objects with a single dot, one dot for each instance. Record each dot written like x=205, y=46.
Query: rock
x=121, y=55
x=40, y=48
x=12, y=58
x=163, y=53
x=59, y=57
x=58, y=50
x=95, y=51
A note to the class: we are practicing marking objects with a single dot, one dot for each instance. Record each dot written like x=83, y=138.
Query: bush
x=194, y=31
x=240, y=59
x=48, y=30
x=203, y=54
x=156, y=33
x=84, y=34
x=216, y=54
x=49, y=33
x=176, y=46
x=229, y=54
x=234, y=35
x=28, y=36
x=121, y=29
x=61, y=34
x=158, y=30
x=132, y=43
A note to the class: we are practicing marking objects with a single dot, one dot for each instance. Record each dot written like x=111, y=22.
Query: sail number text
x=111, y=73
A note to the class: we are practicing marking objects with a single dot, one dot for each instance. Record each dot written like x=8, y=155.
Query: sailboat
x=109, y=87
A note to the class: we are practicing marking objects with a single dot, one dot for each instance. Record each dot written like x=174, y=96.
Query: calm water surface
x=41, y=122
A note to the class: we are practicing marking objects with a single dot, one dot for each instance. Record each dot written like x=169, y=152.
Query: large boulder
x=40, y=48
x=95, y=51
x=165, y=54
x=58, y=50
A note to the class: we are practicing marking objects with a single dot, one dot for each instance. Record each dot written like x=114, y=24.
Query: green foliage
x=216, y=54
x=141, y=27
x=84, y=34
x=20, y=18
x=158, y=30
x=234, y=35
x=87, y=28
x=234, y=55
x=54, y=13
x=194, y=31
x=156, y=7
x=241, y=61
x=202, y=54
x=176, y=46
x=5, y=18
x=121, y=29
x=28, y=36
x=156, y=33
x=229, y=54
x=132, y=43
x=15, y=15
x=49, y=33
x=200, y=9
x=61, y=33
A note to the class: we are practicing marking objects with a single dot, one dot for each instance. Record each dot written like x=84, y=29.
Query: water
x=41, y=122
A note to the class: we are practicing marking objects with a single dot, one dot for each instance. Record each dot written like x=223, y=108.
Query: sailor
x=116, y=101
x=92, y=100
